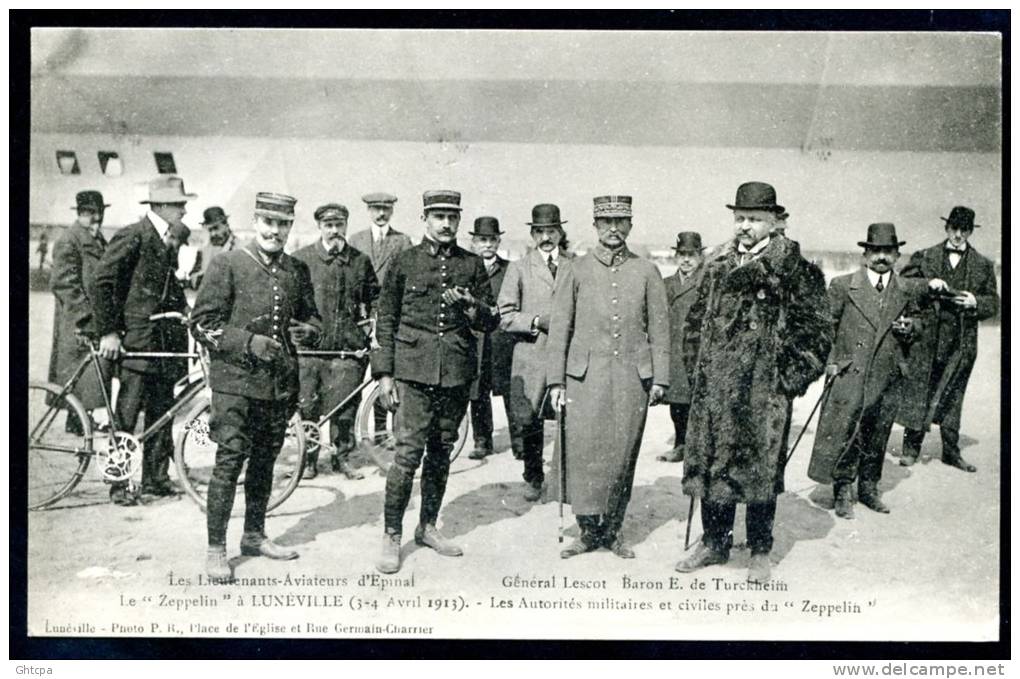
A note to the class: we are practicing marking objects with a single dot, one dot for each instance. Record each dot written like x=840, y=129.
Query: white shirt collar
x=343, y=244
x=873, y=277
x=161, y=225
x=555, y=254
x=758, y=247
x=379, y=232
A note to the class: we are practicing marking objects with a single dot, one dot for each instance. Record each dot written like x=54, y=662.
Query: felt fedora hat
x=688, y=240
x=213, y=215
x=168, y=189
x=961, y=217
x=90, y=200
x=881, y=235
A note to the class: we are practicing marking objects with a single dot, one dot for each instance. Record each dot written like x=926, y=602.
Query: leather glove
x=304, y=334
x=265, y=349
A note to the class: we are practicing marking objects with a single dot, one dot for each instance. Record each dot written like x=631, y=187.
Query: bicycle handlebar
x=360, y=353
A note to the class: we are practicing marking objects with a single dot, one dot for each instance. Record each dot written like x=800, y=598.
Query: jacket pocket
x=405, y=339
x=644, y=362
x=577, y=362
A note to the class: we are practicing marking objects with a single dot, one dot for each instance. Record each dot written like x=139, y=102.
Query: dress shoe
x=843, y=501
x=216, y=565
x=533, y=492
x=908, y=460
x=959, y=463
x=161, y=488
x=344, y=467
x=759, y=569
x=703, y=556
x=389, y=560
x=256, y=544
x=479, y=453
x=620, y=548
x=871, y=498
x=581, y=545
x=311, y=471
x=121, y=496
x=429, y=536
x=674, y=455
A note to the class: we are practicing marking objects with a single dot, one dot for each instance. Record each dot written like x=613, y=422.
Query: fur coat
x=758, y=335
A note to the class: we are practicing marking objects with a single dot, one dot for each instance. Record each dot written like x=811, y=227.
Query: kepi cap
x=275, y=205
x=441, y=199
x=614, y=206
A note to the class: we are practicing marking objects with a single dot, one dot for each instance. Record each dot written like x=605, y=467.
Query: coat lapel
x=385, y=249
x=895, y=301
x=865, y=297
x=541, y=269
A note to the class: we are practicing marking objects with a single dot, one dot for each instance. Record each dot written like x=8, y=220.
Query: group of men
x=729, y=341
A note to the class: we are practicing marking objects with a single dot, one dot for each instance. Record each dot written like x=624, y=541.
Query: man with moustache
x=525, y=307
x=608, y=362
x=221, y=239
x=963, y=282
x=135, y=280
x=345, y=293
x=76, y=257
x=756, y=337
x=681, y=289
x=434, y=296
x=871, y=311
x=255, y=306
x=495, y=349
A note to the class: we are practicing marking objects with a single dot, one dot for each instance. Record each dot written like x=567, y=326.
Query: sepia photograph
x=514, y=334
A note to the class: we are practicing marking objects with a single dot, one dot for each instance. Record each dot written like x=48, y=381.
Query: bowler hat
x=90, y=200
x=756, y=196
x=545, y=214
x=331, y=210
x=688, y=240
x=882, y=235
x=379, y=198
x=961, y=217
x=486, y=226
x=275, y=205
x=614, y=206
x=441, y=199
x=168, y=189
x=213, y=215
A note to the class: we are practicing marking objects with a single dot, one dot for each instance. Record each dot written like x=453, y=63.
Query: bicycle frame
x=351, y=396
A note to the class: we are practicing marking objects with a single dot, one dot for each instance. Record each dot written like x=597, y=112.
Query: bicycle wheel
x=195, y=458
x=379, y=440
x=59, y=443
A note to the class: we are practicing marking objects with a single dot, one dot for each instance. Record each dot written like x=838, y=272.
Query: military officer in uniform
x=681, y=289
x=941, y=361
x=346, y=290
x=608, y=361
x=433, y=297
x=255, y=306
x=873, y=312
x=525, y=308
x=135, y=280
x=495, y=349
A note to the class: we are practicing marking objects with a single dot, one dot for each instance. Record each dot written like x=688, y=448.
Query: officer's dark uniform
x=428, y=347
x=244, y=293
x=346, y=289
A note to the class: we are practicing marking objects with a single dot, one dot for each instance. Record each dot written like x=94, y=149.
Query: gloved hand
x=304, y=334
x=656, y=394
x=263, y=348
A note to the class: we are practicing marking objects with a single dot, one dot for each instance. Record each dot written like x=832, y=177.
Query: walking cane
x=829, y=381
x=558, y=450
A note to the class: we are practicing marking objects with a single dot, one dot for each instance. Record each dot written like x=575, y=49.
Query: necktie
x=879, y=285
x=552, y=267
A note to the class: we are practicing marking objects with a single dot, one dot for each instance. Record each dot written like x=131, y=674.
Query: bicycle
x=59, y=457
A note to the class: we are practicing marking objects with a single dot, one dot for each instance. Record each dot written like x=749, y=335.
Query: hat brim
x=218, y=221
x=91, y=207
x=475, y=233
x=534, y=224
x=614, y=214
x=778, y=209
x=686, y=249
x=443, y=206
x=177, y=199
x=864, y=244
x=946, y=220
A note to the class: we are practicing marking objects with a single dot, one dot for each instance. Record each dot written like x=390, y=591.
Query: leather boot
x=389, y=560
x=617, y=546
x=429, y=536
x=958, y=462
x=870, y=497
x=673, y=455
x=759, y=569
x=843, y=500
x=257, y=544
x=588, y=541
x=702, y=556
x=533, y=492
x=217, y=568
x=344, y=467
x=311, y=466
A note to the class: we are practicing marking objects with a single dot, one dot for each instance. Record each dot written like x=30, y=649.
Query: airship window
x=67, y=161
x=165, y=163
x=110, y=163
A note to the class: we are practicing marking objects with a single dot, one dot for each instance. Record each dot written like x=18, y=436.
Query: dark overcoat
x=135, y=280
x=496, y=348
x=421, y=338
x=382, y=255
x=608, y=343
x=871, y=358
x=680, y=295
x=76, y=257
x=949, y=339
x=757, y=335
x=241, y=296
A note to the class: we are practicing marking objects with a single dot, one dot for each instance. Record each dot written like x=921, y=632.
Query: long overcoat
x=680, y=295
x=135, y=279
x=527, y=292
x=382, y=255
x=871, y=358
x=76, y=257
x=496, y=348
x=949, y=338
x=608, y=343
x=758, y=335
